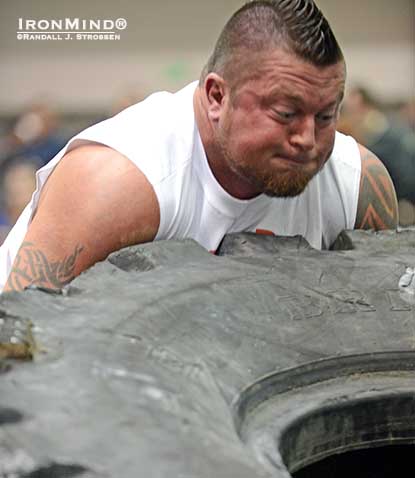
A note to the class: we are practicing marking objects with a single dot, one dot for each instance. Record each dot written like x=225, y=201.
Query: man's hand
x=96, y=201
x=378, y=207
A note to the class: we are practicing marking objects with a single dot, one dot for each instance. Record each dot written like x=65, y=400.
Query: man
x=252, y=147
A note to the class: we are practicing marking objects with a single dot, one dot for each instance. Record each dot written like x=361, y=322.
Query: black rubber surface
x=382, y=462
x=167, y=361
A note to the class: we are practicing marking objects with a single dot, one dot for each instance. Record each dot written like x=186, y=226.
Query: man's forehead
x=277, y=73
x=328, y=97
x=307, y=76
x=298, y=84
x=285, y=91
x=318, y=100
x=271, y=67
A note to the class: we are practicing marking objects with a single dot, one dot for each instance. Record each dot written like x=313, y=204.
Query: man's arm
x=377, y=207
x=96, y=201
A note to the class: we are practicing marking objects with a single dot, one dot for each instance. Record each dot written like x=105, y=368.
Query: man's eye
x=286, y=114
x=325, y=117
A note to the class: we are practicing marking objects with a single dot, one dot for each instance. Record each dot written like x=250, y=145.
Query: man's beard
x=280, y=184
x=283, y=184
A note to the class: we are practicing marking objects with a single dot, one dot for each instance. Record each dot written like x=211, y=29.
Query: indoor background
x=166, y=44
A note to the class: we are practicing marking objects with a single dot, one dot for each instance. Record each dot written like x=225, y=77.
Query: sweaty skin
x=271, y=133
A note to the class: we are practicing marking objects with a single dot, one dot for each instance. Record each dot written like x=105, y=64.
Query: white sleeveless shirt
x=160, y=136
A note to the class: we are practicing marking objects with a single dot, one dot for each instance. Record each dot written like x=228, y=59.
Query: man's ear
x=215, y=91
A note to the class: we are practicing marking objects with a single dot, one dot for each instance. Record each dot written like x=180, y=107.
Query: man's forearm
x=33, y=267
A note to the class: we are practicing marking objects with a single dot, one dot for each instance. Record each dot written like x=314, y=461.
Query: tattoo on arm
x=32, y=267
x=378, y=207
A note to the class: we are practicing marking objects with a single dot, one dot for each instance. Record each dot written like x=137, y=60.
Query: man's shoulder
x=162, y=109
x=152, y=134
x=378, y=207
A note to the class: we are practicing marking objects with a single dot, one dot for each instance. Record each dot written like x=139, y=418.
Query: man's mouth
x=296, y=160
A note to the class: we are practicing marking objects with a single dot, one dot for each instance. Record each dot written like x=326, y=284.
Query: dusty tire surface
x=167, y=361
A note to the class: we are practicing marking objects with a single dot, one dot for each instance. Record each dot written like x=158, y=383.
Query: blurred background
x=51, y=89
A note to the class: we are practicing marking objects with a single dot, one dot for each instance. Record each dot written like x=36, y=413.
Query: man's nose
x=303, y=135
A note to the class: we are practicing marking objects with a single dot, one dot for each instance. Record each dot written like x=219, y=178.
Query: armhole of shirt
x=357, y=164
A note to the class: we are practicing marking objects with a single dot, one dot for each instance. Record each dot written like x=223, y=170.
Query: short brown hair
x=259, y=25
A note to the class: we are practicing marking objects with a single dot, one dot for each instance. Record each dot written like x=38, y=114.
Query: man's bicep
x=95, y=202
x=377, y=207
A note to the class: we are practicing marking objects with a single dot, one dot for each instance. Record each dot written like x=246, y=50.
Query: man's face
x=277, y=128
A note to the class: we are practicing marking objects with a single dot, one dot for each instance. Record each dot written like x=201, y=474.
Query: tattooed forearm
x=378, y=207
x=32, y=267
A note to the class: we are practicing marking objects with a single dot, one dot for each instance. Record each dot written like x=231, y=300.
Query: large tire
x=165, y=361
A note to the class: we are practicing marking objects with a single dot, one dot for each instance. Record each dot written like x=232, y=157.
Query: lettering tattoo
x=378, y=206
x=32, y=267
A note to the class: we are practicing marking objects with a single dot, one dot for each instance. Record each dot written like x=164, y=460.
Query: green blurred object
x=177, y=71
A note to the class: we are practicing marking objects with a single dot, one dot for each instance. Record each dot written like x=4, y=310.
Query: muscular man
x=251, y=147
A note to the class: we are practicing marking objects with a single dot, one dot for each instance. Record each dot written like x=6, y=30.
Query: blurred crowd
x=388, y=131
x=37, y=134
x=26, y=145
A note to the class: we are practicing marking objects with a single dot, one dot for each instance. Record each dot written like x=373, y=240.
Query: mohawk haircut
x=295, y=25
